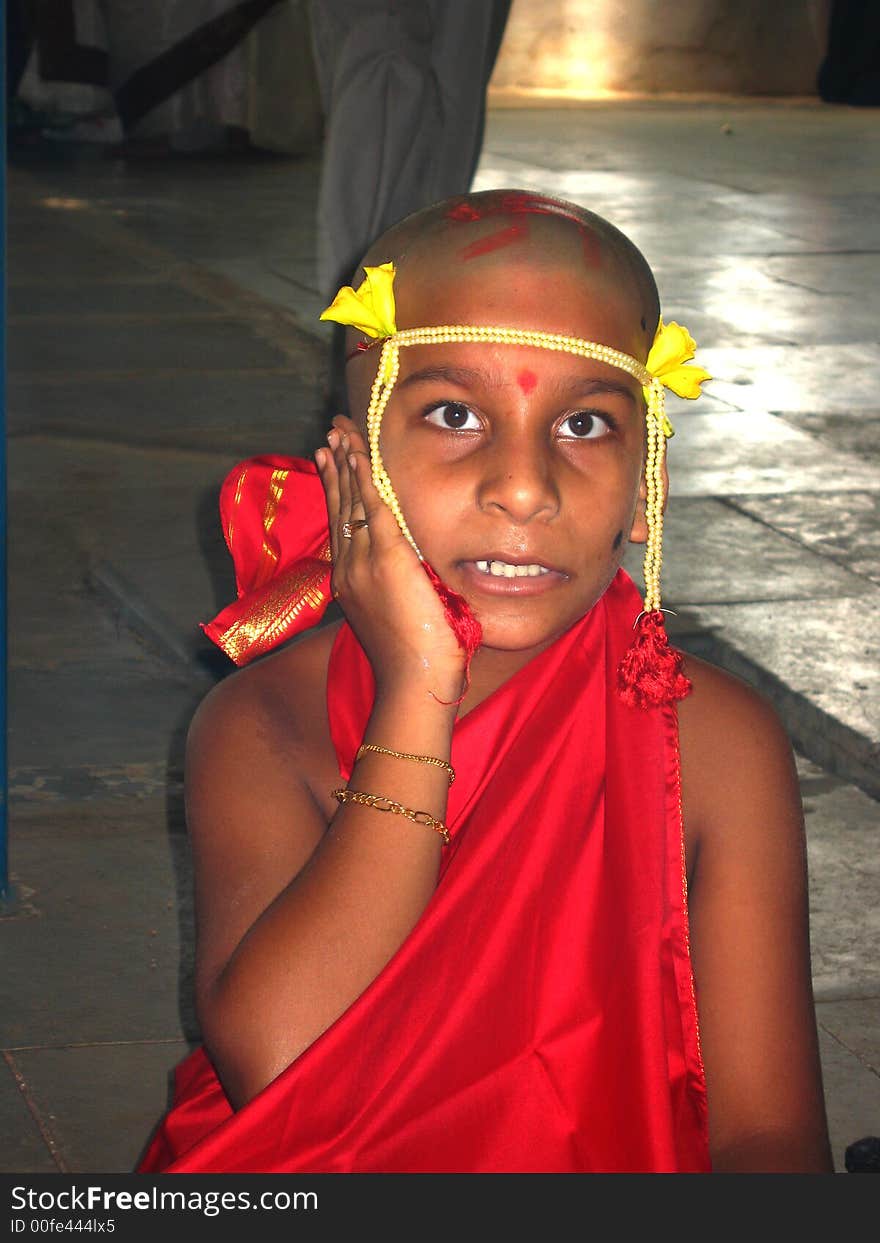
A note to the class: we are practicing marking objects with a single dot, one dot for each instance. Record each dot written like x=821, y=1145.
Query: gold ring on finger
x=349, y=528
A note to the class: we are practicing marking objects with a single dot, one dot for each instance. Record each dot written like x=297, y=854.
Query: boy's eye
x=585, y=425
x=453, y=415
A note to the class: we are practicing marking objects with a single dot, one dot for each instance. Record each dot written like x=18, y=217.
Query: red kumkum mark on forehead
x=495, y=241
x=522, y=203
x=464, y=213
x=526, y=380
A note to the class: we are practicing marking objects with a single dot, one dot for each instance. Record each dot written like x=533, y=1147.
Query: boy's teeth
x=501, y=569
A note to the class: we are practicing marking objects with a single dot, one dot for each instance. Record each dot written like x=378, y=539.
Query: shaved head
x=464, y=239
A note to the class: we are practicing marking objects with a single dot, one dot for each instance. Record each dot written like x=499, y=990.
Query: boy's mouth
x=504, y=569
x=498, y=574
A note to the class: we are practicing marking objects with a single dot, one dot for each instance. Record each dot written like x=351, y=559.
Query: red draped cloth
x=541, y=1015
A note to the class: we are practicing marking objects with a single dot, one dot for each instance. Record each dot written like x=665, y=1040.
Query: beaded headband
x=371, y=310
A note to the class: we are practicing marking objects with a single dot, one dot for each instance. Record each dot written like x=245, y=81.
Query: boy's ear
x=639, y=532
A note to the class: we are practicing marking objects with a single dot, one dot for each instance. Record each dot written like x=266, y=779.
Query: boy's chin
x=522, y=637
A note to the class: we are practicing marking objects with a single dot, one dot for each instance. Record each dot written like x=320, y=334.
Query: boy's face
x=518, y=469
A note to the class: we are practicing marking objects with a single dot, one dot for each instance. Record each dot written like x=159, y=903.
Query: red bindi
x=526, y=380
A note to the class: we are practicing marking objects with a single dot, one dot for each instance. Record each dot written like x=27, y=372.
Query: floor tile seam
x=198, y=277
x=144, y=773
x=841, y=1043
x=554, y=171
x=854, y=999
x=27, y=802
x=846, y=751
x=86, y=662
x=140, y=280
x=831, y=252
x=141, y=768
x=871, y=587
x=736, y=502
x=744, y=498
x=68, y=1045
x=121, y=597
x=184, y=452
x=833, y=994
x=52, y=319
x=21, y=806
x=795, y=253
x=688, y=490
x=727, y=189
x=62, y=377
x=93, y=222
x=33, y=1109
x=866, y=414
x=67, y=433
x=831, y=347
x=272, y=322
x=64, y=437
x=33, y=832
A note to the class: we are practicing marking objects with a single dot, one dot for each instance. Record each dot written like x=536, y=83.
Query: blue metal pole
x=4, y=848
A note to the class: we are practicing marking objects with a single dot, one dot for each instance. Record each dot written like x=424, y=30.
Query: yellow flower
x=370, y=307
x=674, y=347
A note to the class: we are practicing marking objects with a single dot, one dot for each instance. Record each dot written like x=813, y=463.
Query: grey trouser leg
x=403, y=87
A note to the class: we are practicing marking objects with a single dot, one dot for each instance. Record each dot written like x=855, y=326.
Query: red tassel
x=650, y=672
x=464, y=625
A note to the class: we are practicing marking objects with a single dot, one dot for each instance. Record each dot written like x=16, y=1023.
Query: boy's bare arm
x=749, y=931
x=295, y=919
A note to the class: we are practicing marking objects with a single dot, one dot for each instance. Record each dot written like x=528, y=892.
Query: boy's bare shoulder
x=272, y=710
x=736, y=755
x=721, y=702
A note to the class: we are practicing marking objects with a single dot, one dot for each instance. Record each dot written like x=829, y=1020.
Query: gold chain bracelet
x=380, y=803
x=407, y=755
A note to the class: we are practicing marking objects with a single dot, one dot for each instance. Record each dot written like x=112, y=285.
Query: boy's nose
x=518, y=481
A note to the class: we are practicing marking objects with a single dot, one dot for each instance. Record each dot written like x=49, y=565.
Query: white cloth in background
x=69, y=98
x=134, y=33
x=196, y=116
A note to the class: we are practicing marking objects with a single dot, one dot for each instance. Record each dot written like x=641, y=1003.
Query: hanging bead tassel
x=650, y=672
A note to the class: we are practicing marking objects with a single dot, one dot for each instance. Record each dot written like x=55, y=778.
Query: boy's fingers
x=345, y=426
x=384, y=531
x=344, y=475
x=370, y=499
x=358, y=508
x=326, y=464
x=356, y=441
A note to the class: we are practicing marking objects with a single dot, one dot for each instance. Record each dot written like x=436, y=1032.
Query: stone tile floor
x=162, y=324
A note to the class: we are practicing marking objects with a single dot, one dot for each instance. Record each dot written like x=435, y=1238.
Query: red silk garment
x=274, y=519
x=541, y=1016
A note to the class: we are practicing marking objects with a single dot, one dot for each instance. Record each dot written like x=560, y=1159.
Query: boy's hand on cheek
x=379, y=581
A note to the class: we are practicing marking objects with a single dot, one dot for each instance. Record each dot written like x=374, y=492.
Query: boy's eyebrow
x=468, y=376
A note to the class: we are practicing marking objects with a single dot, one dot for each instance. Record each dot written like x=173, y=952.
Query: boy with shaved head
x=488, y=877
